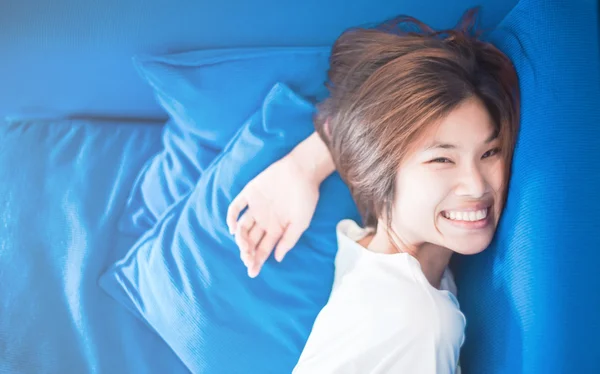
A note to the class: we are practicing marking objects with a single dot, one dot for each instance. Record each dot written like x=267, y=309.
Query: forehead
x=470, y=124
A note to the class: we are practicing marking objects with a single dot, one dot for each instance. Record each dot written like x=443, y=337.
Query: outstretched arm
x=277, y=216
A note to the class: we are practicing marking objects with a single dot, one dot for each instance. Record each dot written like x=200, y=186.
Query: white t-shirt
x=383, y=316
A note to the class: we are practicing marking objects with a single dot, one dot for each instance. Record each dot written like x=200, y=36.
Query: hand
x=280, y=203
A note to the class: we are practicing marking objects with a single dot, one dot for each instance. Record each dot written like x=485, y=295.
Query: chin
x=472, y=246
x=468, y=237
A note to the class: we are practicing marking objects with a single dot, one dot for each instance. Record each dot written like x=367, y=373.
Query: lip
x=473, y=207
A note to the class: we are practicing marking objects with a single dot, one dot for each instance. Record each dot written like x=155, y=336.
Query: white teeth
x=467, y=216
x=480, y=215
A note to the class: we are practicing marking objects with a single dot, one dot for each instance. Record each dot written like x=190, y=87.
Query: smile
x=468, y=219
x=471, y=216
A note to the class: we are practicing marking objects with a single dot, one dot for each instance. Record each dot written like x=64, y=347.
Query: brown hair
x=387, y=84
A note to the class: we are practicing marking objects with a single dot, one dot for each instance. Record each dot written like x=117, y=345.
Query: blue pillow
x=208, y=95
x=185, y=279
x=532, y=299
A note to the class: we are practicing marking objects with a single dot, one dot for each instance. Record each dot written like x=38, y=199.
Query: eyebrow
x=438, y=145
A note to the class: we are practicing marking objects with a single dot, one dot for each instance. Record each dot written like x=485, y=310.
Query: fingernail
x=279, y=257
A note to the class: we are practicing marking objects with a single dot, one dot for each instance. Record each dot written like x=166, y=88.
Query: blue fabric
x=532, y=299
x=185, y=277
x=208, y=95
x=63, y=185
x=66, y=57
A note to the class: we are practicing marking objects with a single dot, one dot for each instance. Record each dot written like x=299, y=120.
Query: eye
x=441, y=160
x=491, y=152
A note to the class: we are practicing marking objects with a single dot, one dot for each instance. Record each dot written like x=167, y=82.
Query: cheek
x=419, y=196
x=497, y=179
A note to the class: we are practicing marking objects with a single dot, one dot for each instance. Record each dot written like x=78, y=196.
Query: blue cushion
x=208, y=95
x=532, y=299
x=185, y=279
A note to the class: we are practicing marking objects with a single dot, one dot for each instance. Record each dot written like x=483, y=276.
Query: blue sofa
x=78, y=124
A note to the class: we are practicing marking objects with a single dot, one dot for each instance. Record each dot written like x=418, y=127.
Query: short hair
x=389, y=83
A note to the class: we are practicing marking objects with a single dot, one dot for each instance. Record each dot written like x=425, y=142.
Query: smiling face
x=450, y=186
x=408, y=124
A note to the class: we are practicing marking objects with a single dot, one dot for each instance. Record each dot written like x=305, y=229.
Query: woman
x=421, y=125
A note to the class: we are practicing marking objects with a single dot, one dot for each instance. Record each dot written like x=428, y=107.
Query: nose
x=472, y=183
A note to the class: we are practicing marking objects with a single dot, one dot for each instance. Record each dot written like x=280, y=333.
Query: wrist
x=313, y=159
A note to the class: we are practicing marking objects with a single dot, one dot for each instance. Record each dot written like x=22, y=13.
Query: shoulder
x=352, y=230
x=349, y=251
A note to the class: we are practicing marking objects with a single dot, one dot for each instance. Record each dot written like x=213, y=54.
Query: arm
x=275, y=216
x=313, y=157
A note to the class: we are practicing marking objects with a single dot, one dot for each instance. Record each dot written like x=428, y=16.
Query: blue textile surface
x=209, y=95
x=65, y=57
x=63, y=185
x=184, y=277
x=531, y=300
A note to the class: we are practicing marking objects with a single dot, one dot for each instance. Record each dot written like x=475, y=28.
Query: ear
x=327, y=129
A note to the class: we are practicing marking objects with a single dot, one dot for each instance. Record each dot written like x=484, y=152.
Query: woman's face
x=449, y=188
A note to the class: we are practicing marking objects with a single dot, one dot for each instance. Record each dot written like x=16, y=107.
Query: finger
x=242, y=244
x=244, y=225
x=288, y=240
x=247, y=258
x=254, y=237
x=233, y=212
x=263, y=251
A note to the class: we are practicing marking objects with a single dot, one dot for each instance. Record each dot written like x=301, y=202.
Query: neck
x=432, y=258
